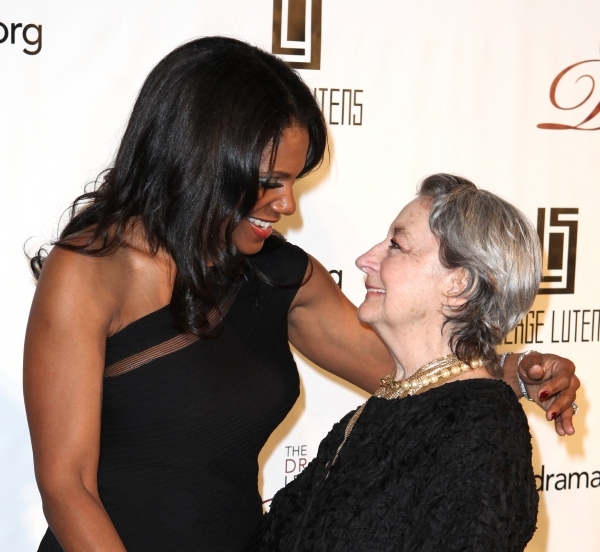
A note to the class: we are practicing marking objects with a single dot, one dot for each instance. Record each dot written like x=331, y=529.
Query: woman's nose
x=369, y=262
x=285, y=202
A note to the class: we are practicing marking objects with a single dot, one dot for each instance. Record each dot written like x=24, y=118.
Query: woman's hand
x=551, y=382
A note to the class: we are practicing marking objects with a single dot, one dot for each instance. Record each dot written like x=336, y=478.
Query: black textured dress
x=180, y=436
x=447, y=470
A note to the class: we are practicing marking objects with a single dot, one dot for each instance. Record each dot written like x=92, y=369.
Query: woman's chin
x=250, y=248
x=364, y=314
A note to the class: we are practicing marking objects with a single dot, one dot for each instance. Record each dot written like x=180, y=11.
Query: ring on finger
x=575, y=408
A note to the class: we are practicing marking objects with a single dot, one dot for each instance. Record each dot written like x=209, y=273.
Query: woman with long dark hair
x=156, y=358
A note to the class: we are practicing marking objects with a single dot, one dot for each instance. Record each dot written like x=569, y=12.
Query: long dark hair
x=187, y=168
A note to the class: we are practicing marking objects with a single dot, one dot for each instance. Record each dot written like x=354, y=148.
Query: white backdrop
x=449, y=85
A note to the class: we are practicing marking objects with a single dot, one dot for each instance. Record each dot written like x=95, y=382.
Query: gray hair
x=498, y=248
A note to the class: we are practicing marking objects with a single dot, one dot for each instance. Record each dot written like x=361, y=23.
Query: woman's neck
x=413, y=350
x=414, y=347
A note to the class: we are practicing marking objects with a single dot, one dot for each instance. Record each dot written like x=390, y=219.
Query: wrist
x=511, y=375
x=522, y=387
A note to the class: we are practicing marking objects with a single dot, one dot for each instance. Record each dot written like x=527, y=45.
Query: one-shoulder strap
x=170, y=345
x=144, y=357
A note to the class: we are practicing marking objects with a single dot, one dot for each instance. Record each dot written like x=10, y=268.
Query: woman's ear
x=456, y=282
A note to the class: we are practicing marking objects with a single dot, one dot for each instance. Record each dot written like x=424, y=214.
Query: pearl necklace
x=433, y=374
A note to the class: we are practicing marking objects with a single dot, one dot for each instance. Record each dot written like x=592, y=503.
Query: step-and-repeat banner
x=504, y=93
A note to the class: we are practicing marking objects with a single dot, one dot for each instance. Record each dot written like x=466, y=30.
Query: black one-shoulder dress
x=180, y=435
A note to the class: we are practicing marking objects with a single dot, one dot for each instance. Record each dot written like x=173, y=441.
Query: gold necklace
x=433, y=374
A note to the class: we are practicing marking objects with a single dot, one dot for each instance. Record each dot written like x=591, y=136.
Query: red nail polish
x=553, y=415
x=543, y=395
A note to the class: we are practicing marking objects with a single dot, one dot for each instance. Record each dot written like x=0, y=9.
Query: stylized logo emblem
x=572, y=98
x=558, y=237
x=297, y=32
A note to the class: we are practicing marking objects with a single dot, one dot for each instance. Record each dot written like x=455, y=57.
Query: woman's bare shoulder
x=115, y=285
x=122, y=285
x=72, y=283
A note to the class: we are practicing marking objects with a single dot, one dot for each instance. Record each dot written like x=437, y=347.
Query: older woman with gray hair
x=440, y=457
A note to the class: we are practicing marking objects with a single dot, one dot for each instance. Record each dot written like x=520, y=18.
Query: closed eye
x=268, y=182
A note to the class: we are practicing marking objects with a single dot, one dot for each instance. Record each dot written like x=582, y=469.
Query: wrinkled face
x=406, y=284
x=276, y=194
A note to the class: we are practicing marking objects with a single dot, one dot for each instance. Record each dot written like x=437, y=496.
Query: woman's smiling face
x=275, y=195
x=406, y=283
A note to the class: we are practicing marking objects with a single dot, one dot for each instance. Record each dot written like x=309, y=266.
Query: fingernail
x=553, y=415
x=543, y=395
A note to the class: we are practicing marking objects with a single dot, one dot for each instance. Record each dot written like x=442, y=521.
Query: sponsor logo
x=574, y=325
x=297, y=40
x=566, y=481
x=295, y=461
x=11, y=33
x=558, y=237
x=297, y=32
x=558, y=326
x=340, y=106
x=572, y=90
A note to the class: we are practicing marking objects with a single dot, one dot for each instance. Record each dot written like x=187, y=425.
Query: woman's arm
x=323, y=326
x=63, y=373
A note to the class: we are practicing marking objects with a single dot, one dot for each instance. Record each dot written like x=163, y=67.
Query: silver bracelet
x=523, y=388
x=519, y=380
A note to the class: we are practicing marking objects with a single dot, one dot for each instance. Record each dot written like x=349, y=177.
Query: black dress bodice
x=180, y=436
x=447, y=470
